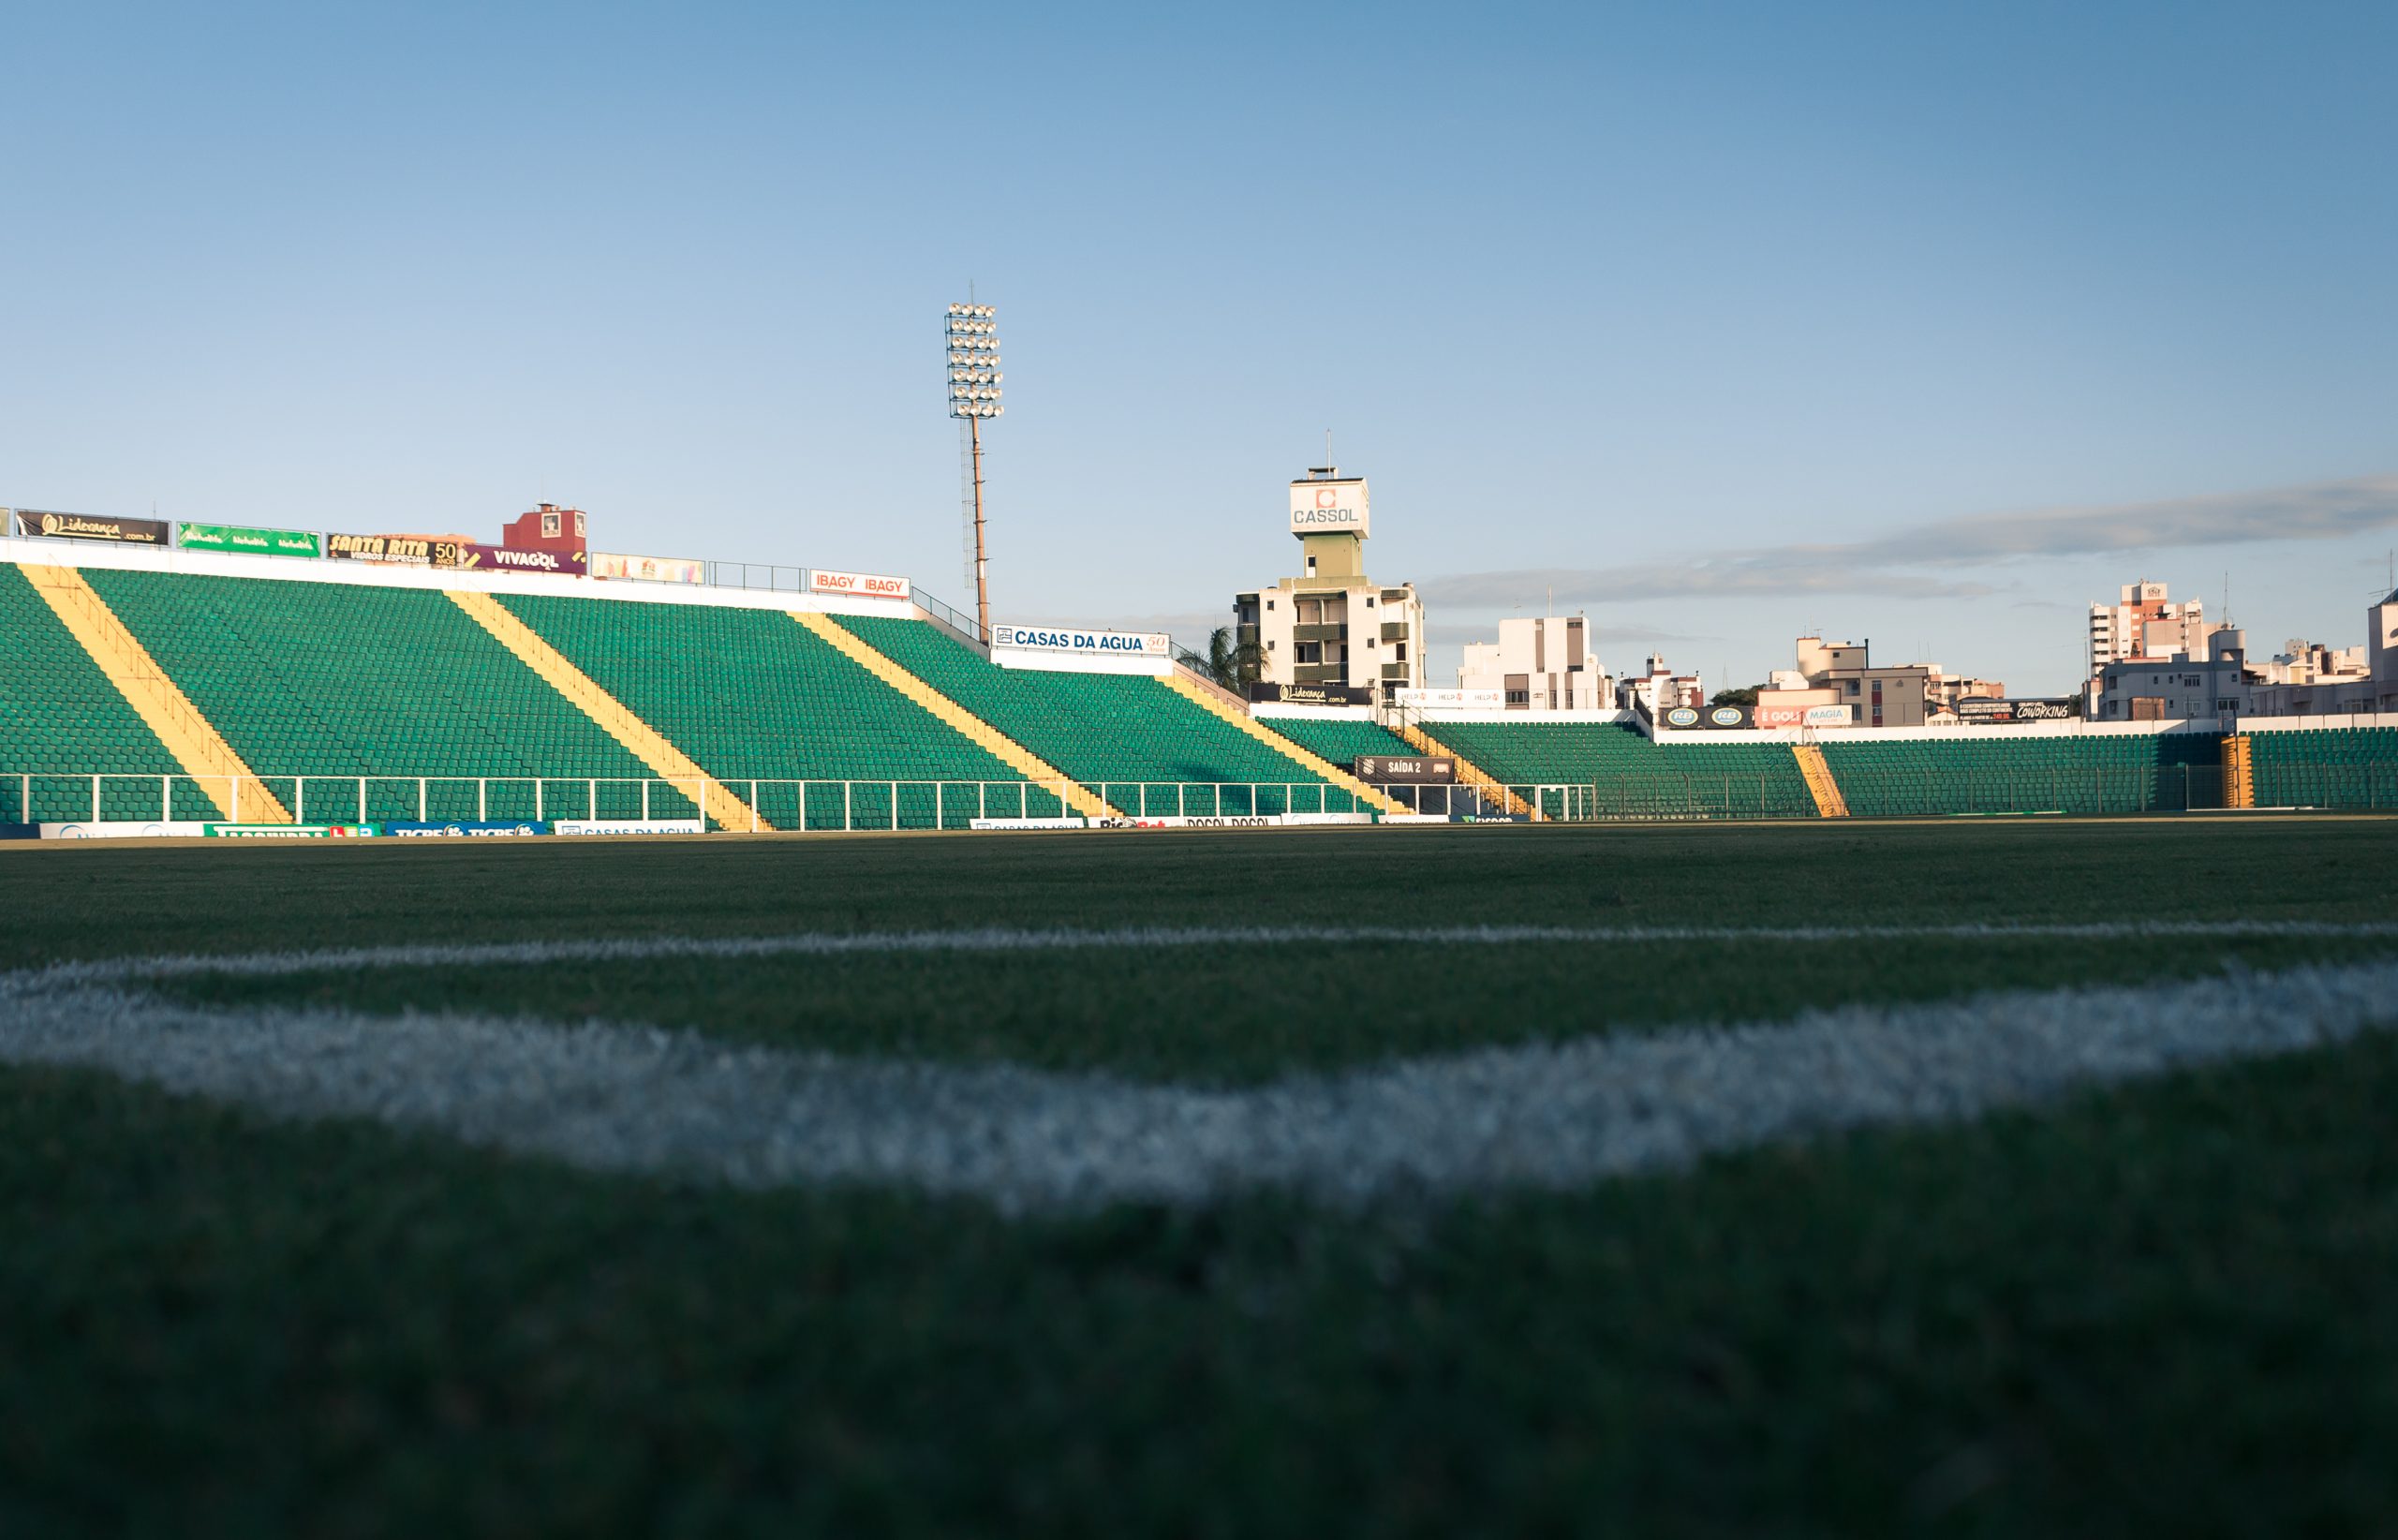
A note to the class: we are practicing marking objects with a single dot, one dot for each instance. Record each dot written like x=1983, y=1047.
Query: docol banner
x=235, y=537
x=83, y=527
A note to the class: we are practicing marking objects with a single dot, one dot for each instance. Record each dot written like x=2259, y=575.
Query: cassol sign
x=1330, y=507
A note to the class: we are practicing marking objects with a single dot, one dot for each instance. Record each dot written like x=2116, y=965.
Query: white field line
x=640, y=948
x=628, y=1099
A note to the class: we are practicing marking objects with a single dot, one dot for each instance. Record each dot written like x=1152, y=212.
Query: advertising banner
x=1328, y=695
x=626, y=826
x=253, y=542
x=856, y=584
x=1329, y=508
x=467, y=830
x=390, y=550
x=287, y=831
x=466, y=556
x=610, y=564
x=1028, y=823
x=1453, y=699
x=83, y=527
x=1727, y=716
x=1126, y=643
x=1795, y=716
x=1681, y=716
x=1376, y=770
x=1980, y=709
x=132, y=829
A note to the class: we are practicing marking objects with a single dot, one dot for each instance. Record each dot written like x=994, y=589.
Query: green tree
x=1234, y=665
x=1745, y=697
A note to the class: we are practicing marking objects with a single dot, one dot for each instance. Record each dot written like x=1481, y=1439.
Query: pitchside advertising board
x=1095, y=644
x=463, y=830
x=856, y=584
x=288, y=831
x=1329, y=508
x=84, y=526
x=1979, y=709
x=245, y=540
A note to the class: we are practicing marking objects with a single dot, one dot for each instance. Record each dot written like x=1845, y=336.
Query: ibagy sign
x=856, y=584
x=1330, y=507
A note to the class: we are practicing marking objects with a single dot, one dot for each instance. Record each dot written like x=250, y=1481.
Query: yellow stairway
x=1470, y=773
x=197, y=746
x=1315, y=765
x=1022, y=760
x=614, y=717
x=2239, y=772
x=1817, y=771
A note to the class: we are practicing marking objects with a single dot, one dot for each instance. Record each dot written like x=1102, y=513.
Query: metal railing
x=775, y=804
x=769, y=804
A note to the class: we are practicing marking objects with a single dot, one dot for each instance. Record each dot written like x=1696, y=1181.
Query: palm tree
x=1234, y=665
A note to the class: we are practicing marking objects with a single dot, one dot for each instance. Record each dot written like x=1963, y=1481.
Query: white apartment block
x=1543, y=663
x=2145, y=622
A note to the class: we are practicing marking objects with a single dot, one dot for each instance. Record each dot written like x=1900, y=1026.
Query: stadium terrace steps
x=1632, y=777
x=376, y=703
x=197, y=747
x=1995, y=772
x=62, y=721
x=1305, y=758
x=1414, y=735
x=2328, y=767
x=613, y=716
x=1343, y=740
x=1030, y=766
x=2239, y=773
x=766, y=704
x=1820, y=784
x=1123, y=735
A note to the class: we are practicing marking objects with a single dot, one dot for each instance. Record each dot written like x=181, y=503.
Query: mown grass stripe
x=834, y=944
x=631, y=1099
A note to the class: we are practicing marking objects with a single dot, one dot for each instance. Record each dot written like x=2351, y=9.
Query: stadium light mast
x=972, y=335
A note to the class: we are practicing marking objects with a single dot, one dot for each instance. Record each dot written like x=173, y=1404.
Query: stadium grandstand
x=185, y=691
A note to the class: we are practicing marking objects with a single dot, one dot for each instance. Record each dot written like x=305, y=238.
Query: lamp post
x=972, y=336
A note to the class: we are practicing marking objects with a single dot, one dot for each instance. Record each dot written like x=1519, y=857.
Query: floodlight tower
x=972, y=335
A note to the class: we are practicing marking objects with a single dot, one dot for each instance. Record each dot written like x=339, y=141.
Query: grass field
x=495, y=1295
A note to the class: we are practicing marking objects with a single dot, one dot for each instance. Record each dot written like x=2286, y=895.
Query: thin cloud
x=1905, y=563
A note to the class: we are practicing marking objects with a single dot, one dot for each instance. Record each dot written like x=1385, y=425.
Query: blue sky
x=1929, y=324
